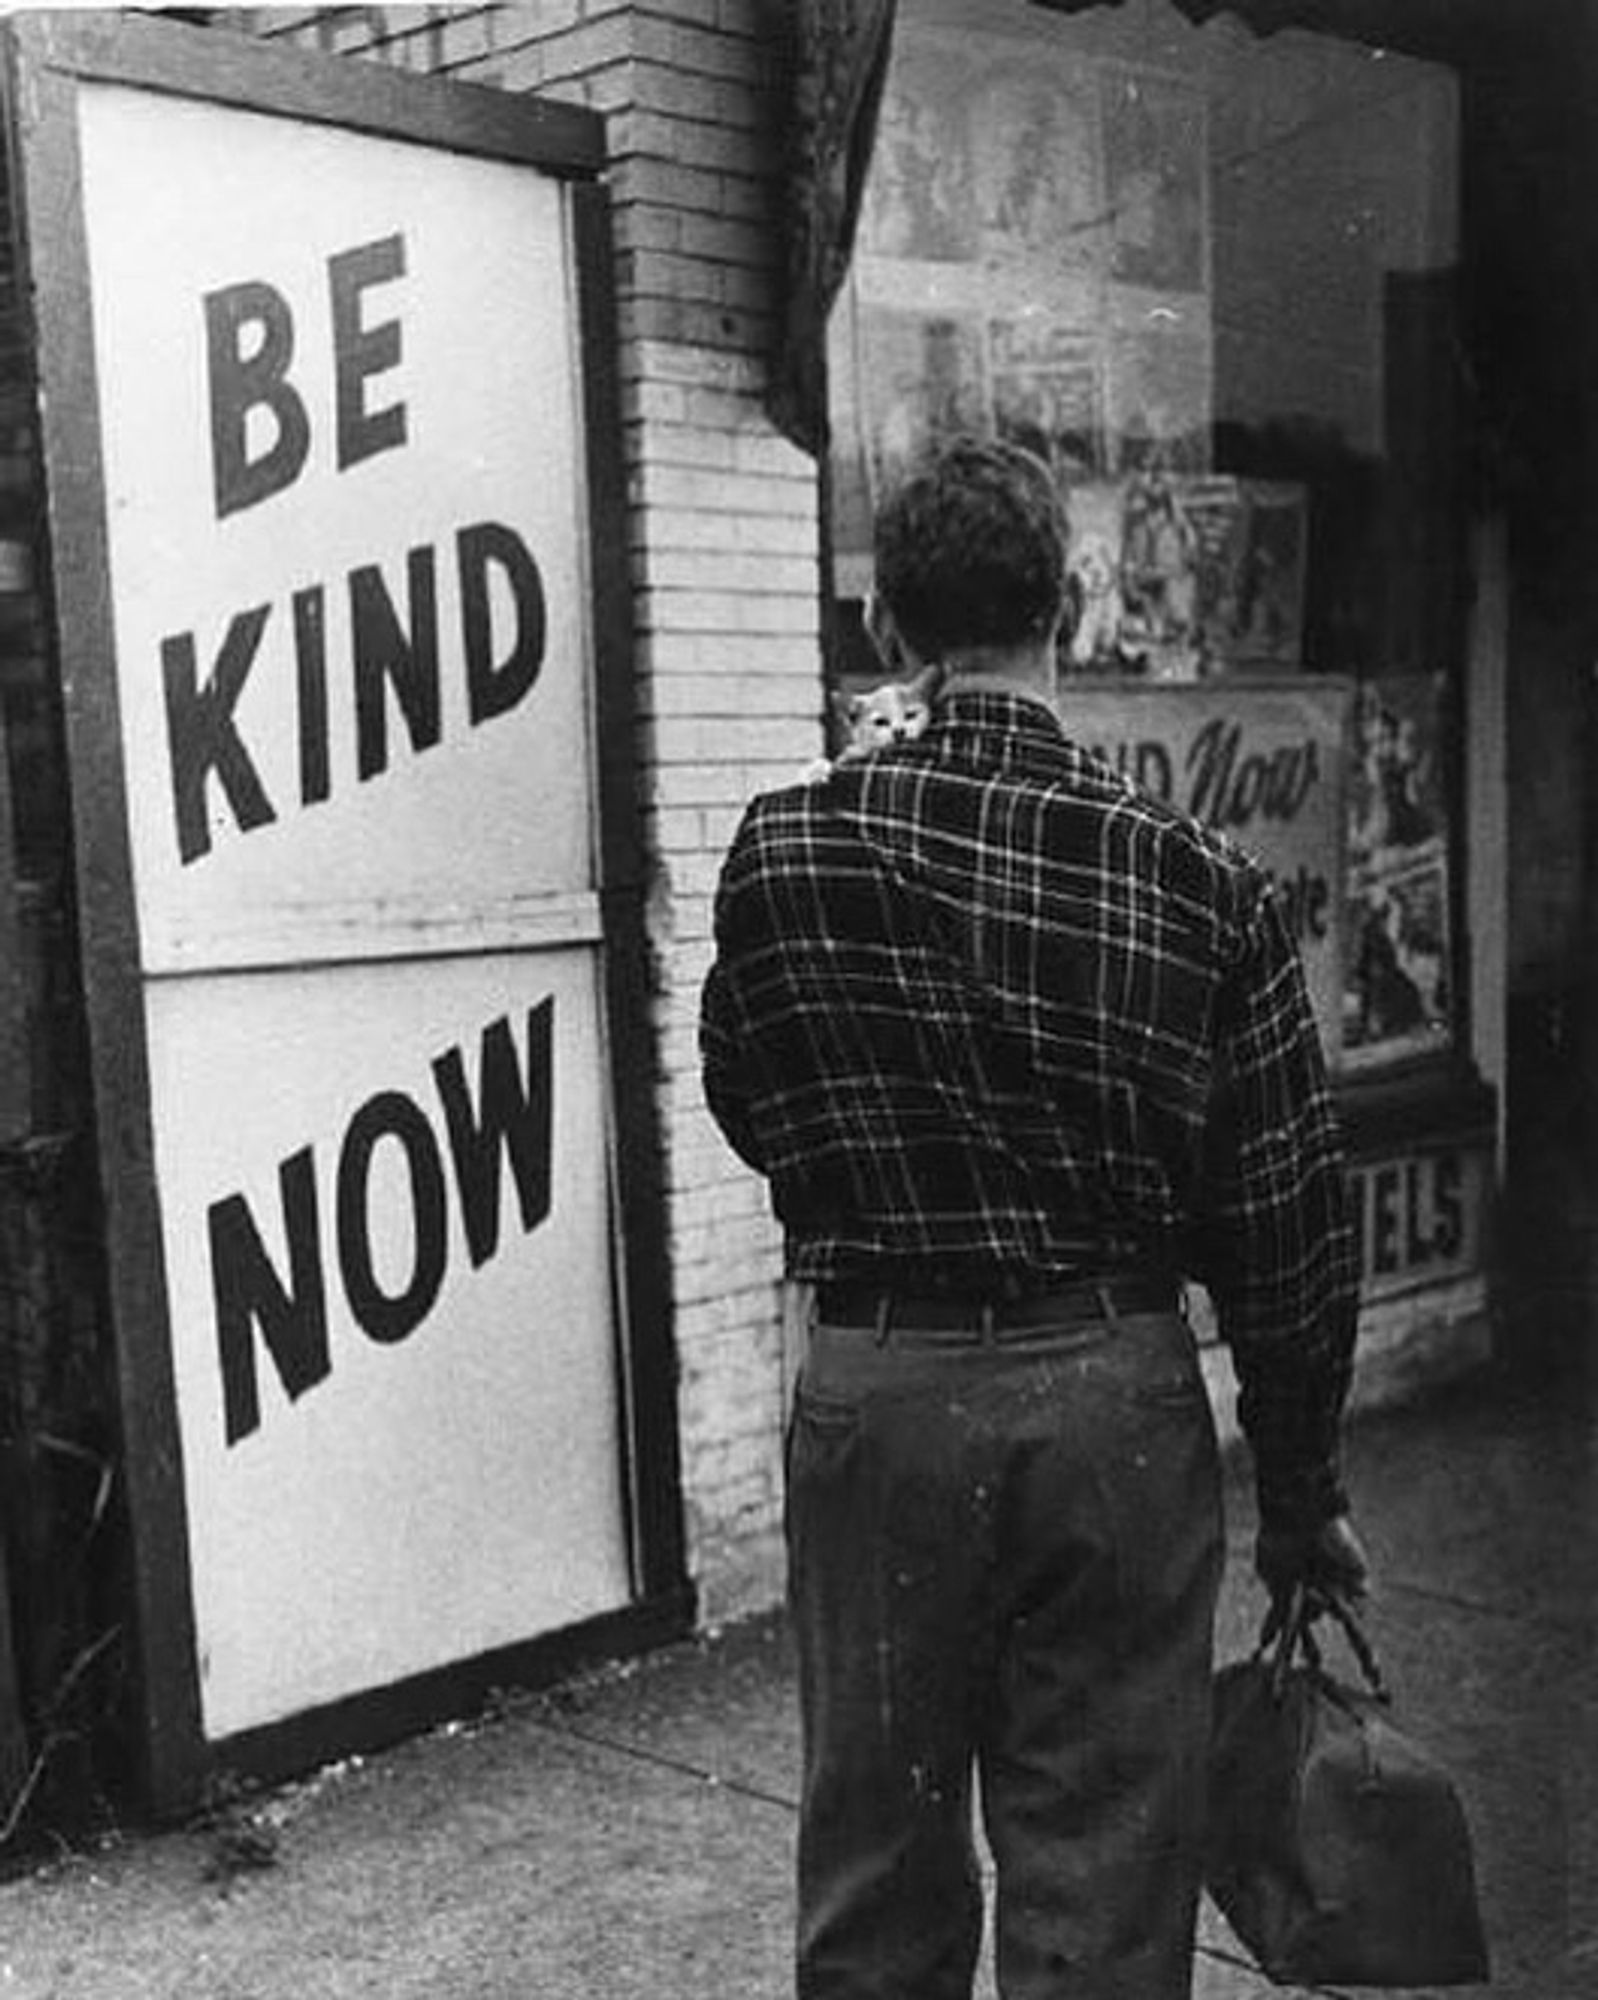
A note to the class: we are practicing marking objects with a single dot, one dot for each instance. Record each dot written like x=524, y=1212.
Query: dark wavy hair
x=971, y=549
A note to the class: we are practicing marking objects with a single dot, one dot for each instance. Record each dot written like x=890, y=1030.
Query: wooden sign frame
x=48, y=60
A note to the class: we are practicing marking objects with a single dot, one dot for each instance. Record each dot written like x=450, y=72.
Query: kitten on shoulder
x=896, y=712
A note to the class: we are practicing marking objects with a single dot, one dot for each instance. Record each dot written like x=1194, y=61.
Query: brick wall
x=726, y=610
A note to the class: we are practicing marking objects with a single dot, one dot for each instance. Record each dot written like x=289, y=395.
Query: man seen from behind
x=1017, y=1049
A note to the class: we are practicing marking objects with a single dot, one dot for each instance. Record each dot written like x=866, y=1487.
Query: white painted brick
x=690, y=531
x=678, y=829
x=681, y=43
x=736, y=1273
x=695, y=142
x=712, y=695
x=696, y=872
x=732, y=653
x=712, y=611
x=668, y=444
x=663, y=402
x=722, y=409
x=772, y=741
x=691, y=189
x=706, y=571
x=770, y=775
x=709, y=1206
x=671, y=487
x=698, y=784
x=727, y=104
x=741, y=375
x=766, y=450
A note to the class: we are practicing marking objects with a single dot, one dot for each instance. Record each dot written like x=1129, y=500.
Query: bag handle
x=1290, y=1625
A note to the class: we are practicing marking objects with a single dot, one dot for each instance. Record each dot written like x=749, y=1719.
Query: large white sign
x=385, y=1204
x=339, y=401
x=338, y=397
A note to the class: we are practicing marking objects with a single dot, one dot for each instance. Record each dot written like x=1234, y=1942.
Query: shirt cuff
x=1300, y=1500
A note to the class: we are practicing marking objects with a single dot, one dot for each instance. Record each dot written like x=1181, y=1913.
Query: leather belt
x=1077, y=1302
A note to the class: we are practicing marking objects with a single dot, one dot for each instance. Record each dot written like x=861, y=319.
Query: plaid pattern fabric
x=988, y=1018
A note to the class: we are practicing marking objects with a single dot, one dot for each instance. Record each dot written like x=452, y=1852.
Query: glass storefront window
x=1208, y=277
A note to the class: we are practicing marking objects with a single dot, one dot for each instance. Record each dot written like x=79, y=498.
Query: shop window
x=1210, y=278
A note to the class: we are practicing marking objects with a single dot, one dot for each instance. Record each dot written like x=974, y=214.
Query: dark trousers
x=1004, y=1556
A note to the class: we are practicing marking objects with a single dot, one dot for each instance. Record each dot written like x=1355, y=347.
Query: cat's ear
x=845, y=706
x=927, y=683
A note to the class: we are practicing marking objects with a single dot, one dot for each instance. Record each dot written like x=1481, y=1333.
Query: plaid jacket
x=987, y=1017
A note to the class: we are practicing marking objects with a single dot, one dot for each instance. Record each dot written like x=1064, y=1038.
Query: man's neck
x=1022, y=670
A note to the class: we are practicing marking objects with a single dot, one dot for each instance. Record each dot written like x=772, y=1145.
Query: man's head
x=971, y=553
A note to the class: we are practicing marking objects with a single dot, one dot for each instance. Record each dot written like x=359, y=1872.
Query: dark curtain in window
x=837, y=57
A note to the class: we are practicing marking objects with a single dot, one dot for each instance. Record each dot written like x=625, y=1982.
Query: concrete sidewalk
x=631, y=1836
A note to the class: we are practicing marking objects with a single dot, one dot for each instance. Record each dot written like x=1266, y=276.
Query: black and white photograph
x=798, y=1000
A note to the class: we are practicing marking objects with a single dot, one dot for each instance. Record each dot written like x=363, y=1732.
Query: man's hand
x=1327, y=1562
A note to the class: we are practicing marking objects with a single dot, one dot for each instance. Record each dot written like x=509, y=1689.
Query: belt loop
x=884, y=1317
x=1106, y=1298
x=989, y=1323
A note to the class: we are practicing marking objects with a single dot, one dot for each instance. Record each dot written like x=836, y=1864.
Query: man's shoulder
x=1178, y=849
x=786, y=827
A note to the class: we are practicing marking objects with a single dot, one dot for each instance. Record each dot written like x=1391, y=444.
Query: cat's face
x=896, y=712
x=887, y=715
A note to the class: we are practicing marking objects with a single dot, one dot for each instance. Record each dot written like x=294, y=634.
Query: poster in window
x=1157, y=562
x=918, y=202
x=1154, y=174
x=1263, y=764
x=1158, y=393
x=1095, y=645
x=1160, y=560
x=1033, y=137
x=1397, y=1001
x=1046, y=393
x=921, y=383
x=1267, y=623
x=1252, y=539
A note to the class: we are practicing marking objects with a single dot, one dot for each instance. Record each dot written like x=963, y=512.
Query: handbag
x=1336, y=1847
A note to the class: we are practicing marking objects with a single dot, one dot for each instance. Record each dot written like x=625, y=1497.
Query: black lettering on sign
x=1384, y=1221
x=1230, y=789
x=390, y=654
x=392, y=1316
x=493, y=686
x=203, y=737
x=249, y=348
x=249, y=1293
x=510, y=1118
x=1411, y=1212
x=1145, y=764
x=310, y=679
x=241, y=384
x=359, y=351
